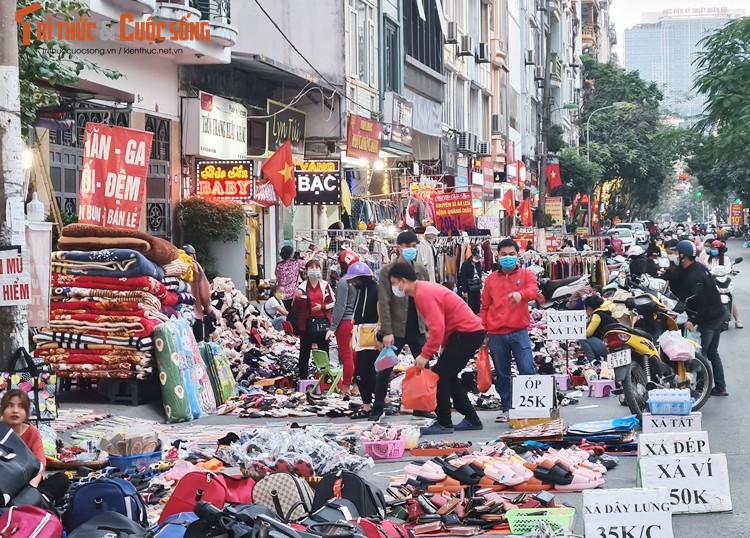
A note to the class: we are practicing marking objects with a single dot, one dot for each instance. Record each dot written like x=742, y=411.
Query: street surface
x=725, y=419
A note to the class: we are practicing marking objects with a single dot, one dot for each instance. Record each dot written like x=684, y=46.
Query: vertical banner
x=39, y=241
x=113, y=179
x=454, y=211
x=735, y=215
x=555, y=210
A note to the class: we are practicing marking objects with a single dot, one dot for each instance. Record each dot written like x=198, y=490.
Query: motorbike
x=557, y=292
x=723, y=279
x=639, y=363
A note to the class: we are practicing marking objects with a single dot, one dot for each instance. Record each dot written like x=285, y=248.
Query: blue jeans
x=501, y=346
x=277, y=322
x=710, y=336
x=594, y=348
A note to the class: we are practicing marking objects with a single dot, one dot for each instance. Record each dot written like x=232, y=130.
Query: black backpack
x=367, y=499
x=110, y=525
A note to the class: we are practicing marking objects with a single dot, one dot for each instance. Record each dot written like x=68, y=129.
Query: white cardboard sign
x=697, y=484
x=533, y=396
x=566, y=324
x=627, y=513
x=672, y=423
x=672, y=444
x=15, y=278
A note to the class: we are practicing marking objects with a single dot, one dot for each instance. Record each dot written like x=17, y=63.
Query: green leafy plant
x=204, y=221
x=67, y=218
x=47, y=65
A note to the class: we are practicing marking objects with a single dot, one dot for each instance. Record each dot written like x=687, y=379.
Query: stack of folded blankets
x=107, y=293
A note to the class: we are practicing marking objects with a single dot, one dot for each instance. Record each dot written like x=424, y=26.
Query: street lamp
x=616, y=104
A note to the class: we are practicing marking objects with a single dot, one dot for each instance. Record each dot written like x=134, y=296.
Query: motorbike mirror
x=738, y=260
x=630, y=303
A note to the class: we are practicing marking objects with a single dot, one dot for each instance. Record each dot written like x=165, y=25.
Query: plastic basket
x=385, y=450
x=140, y=461
x=523, y=521
x=670, y=408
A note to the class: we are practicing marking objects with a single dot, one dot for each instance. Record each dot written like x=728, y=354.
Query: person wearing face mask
x=313, y=302
x=342, y=326
x=455, y=329
x=427, y=253
x=693, y=284
x=400, y=323
x=470, y=280
x=716, y=257
x=505, y=315
x=274, y=307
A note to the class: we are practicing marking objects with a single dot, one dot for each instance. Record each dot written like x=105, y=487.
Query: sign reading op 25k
x=318, y=182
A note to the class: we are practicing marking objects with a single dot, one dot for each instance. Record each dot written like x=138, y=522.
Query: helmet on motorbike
x=686, y=248
x=348, y=257
x=717, y=244
x=633, y=251
x=358, y=269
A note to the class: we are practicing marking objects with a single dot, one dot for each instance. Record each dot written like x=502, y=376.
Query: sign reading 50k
x=113, y=179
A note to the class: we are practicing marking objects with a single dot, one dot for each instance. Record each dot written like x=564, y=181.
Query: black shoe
x=424, y=414
x=719, y=392
x=466, y=425
x=376, y=416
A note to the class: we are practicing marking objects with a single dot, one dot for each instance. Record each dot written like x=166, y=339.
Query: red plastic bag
x=419, y=390
x=484, y=370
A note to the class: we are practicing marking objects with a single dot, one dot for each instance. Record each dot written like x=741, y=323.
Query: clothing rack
x=559, y=265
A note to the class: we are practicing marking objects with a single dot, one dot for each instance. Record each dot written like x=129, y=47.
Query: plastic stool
x=304, y=384
x=601, y=387
x=563, y=381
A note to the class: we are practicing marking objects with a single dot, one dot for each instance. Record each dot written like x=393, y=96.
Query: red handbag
x=239, y=488
x=484, y=370
x=193, y=488
x=382, y=529
x=30, y=521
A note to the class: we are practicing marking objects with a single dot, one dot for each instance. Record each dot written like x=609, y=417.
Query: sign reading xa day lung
x=318, y=182
x=627, y=513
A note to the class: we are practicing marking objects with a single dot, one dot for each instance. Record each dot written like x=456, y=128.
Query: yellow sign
x=554, y=209
x=582, y=231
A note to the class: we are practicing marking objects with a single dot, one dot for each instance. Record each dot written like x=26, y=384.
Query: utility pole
x=13, y=319
x=546, y=121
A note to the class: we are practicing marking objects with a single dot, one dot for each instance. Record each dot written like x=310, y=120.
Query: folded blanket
x=92, y=356
x=81, y=340
x=103, y=304
x=104, y=325
x=137, y=283
x=185, y=298
x=67, y=367
x=90, y=237
x=186, y=312
x=116, y=262
x=176, y=284
x=181, y=267
x=107, y=374
x=91, y=293
x=148, y=314
x=171, y=299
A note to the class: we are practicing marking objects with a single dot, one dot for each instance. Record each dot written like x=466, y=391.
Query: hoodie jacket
x=498, y=314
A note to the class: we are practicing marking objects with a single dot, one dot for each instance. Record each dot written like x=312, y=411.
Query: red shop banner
x=113, y=179
x=454, y=211
x=363, y=138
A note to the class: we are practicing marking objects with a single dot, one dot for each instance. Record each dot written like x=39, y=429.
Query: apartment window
x=361, y=41
x=486, y=116
x=486, y=22
x=515, y=105
x=450, y=9
x=392, y=57
x=460, y=104
x=449, y=91
x=473, y=26
x=423, y=39
x=475, y=112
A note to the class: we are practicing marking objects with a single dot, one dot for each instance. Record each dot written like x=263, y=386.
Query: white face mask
x=397, y=292
x=674, y=259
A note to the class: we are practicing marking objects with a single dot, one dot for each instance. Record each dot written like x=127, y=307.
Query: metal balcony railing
x=214, y=10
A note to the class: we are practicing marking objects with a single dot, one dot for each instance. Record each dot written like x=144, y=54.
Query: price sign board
x=669, y=444
x=627, y=513
x=533, y=396
x=566, y=324
x=672, y=423
x=697, y=484
x=15, y=278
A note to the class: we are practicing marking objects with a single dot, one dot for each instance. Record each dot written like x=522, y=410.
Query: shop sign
x=488, y=171
x=454, y=211
x=15, y=277
x=285, y=123
x=735, y=212
x=225, y=180
x=215, y=128
x=676, y=443
x=533, y=396
x=485, y=222
x=583, y=231
x=363, y=138
x=523, y=235
x=398, y=113
x=113, y=179
x=672, y=423
x=554, y=208
x=697, y=483
x=462, y=177
x=566, y=324
x=318, y=182
x=622, y=513
x=449, y=155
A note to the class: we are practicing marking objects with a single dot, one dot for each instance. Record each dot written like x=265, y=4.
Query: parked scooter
x=557, y=292
x=726, y=288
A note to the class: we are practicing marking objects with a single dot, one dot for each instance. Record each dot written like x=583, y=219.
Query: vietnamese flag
x=553, y=176
x=279, y=170
x=508, y=203
x=525, y=211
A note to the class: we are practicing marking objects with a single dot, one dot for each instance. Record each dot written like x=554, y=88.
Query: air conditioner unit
x=541, y=151
x=539, y=73
x=467, y=46
x=483, y=149
x=465, y=142
x=530, y=57
x=452, y=38
x=497, y=127
x=483, y=53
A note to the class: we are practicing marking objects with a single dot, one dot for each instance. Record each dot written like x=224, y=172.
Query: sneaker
x=719, y=392
x=502, y=417
x=436, y=429
x=738, y=325
x=424, y=414
x=376, y=416
x=466, y=425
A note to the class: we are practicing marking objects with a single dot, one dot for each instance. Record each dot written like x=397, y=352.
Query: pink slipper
x=580, y=483
x=502, y=473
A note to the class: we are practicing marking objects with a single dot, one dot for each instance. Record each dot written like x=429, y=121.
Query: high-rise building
x=664, y=49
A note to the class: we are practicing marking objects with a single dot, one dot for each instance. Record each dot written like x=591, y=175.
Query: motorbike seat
x=551, y=286
x=631, y=330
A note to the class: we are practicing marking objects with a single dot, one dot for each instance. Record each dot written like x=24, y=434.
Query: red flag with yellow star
x=553, y=176
x=279, y=170
x=524, y=211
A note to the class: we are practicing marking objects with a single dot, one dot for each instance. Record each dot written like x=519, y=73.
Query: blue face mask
x=508, y=262
x=338, y=271
x=409, y=254
x=714, y=252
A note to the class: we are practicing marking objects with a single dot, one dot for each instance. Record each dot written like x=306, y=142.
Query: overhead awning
x=269, y=69
x=85, y=90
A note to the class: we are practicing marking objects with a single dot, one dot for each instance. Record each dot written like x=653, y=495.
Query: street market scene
x=373, y=268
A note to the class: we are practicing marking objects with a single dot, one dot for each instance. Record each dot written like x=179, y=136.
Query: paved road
x=725, y=419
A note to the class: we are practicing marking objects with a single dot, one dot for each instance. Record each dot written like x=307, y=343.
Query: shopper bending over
x=313, y=302
x=452, y=326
